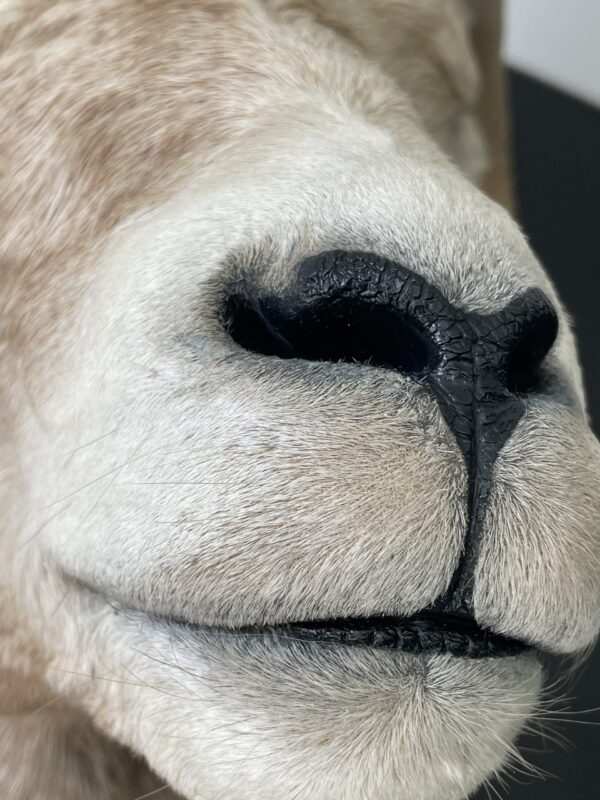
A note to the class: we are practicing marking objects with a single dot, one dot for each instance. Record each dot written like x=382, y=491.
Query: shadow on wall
x=556, y=147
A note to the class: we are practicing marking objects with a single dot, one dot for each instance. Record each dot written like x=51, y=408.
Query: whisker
x=152, y=793
x=42, y=527
x=90, y=443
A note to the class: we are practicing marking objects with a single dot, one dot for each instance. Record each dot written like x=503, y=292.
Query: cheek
x=467, y=146
x=264, y=496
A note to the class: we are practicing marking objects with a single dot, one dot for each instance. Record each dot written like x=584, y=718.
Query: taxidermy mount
x=297, y=481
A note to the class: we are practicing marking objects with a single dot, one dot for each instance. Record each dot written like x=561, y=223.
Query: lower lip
x=418, y=634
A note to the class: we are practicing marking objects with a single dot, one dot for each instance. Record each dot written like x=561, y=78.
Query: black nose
x=362, y=308
x=365, y=309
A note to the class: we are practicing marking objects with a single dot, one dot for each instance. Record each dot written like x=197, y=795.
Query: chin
x=337, y=709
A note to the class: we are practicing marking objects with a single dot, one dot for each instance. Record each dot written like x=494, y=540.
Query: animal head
x=298, y=480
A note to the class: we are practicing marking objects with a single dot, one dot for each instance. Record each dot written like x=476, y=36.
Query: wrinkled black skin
x=361, y=307
x=425, y=632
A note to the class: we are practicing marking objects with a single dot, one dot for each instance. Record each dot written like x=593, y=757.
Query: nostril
x=345, y=329
x=537, y=334
x=362, y=308
x=249, y=327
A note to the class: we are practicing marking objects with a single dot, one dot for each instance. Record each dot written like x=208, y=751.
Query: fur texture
x=154, y=154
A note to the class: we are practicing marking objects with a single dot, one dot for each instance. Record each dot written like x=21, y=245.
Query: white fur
x=162, y=470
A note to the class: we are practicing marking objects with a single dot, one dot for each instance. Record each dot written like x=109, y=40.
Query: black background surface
x=556, y=145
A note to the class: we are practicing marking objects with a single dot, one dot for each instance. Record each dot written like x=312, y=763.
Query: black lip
x=422, y=633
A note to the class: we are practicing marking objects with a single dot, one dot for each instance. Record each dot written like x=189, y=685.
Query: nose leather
x=469, y=373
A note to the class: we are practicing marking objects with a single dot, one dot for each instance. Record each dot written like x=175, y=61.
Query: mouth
x=421, y=633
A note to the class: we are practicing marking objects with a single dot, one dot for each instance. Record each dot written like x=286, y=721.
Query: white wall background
x=557, y=41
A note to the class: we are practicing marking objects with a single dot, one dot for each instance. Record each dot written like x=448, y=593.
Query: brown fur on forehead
x=101, y=100
x=320, y=12
x=423, y=43
x=104, y=100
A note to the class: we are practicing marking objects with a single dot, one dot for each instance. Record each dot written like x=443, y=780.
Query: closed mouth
x=421, y=633
x=424, y=632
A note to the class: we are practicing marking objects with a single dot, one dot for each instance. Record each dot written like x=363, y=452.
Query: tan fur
x=97, y=144
x=491, y=105
x=193, y=481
